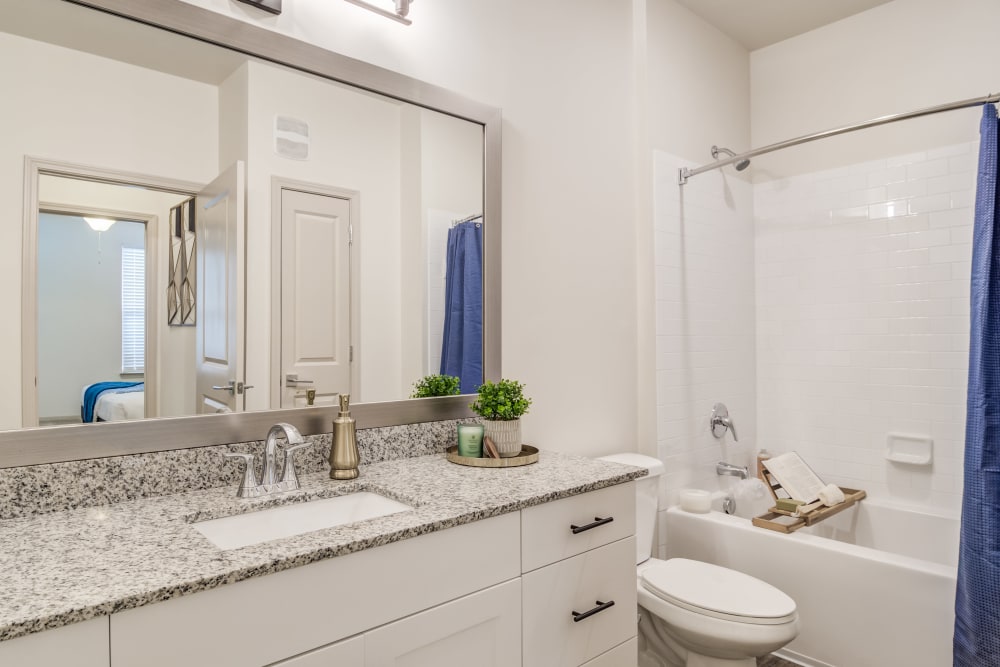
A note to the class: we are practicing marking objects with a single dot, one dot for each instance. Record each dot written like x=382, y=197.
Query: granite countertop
x=69, y=566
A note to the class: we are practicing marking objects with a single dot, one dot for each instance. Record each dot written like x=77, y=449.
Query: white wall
x=561, y=73
x=900, y=56
x=59, y=91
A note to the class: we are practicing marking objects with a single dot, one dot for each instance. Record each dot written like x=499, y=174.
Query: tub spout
x=723, y=468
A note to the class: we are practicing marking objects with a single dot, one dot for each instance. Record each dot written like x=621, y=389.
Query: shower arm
x=683, y=174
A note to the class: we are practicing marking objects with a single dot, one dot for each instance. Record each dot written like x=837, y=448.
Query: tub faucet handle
x=721, y=422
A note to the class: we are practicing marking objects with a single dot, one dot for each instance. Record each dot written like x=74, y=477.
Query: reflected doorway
x=91, y=317
x=93, y=307
x=315, y=332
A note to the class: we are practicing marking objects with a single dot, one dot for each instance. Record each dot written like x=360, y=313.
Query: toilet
x=694, y=614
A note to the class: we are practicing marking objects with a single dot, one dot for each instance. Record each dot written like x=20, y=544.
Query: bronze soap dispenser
x=344, y=450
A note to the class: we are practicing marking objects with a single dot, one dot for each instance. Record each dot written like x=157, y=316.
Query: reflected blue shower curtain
x=462, y=348
x=977, y=602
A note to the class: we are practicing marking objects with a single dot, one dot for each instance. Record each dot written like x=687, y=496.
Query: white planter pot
x=506, y=435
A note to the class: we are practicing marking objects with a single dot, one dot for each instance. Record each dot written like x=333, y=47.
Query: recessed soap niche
x=915, y=450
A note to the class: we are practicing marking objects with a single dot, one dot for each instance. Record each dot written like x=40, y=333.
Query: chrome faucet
x=723, y=468
x=251, y=486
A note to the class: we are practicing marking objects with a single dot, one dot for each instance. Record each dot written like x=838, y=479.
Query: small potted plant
x=435, y=385
x=501, y=405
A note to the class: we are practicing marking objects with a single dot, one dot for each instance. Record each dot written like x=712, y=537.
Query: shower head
x=740, y=166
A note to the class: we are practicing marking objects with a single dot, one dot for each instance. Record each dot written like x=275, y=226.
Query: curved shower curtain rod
x=683, y=174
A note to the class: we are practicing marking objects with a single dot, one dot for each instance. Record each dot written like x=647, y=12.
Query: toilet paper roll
x=695, y=500
x=831, y=495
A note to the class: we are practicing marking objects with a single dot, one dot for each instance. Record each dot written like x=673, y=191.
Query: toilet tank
x=646, y=500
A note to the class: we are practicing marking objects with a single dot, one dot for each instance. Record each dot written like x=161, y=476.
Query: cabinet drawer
x=262, y=620
x=552, y=638
x=348, y=652
x=623, y=655
x=480, y=629
x=600, y=517
x=80, y=644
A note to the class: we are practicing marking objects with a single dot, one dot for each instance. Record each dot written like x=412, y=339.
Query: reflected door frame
x=354, y=198
x=34, y=168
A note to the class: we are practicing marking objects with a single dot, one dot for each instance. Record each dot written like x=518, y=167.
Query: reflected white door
x=316, y=240
x=220, y=229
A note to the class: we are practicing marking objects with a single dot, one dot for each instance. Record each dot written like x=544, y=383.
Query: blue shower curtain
x=462, y=348
x=977, y=603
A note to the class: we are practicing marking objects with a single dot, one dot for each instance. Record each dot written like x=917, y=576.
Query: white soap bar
x=696, y=500
x=831, y=495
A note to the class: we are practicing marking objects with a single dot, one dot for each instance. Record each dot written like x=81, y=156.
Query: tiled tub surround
x=63, y=567
x=704, y=321
x=29, y=490
x=862, y=296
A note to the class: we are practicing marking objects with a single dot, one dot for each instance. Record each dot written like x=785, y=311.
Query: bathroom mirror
x=406, y=159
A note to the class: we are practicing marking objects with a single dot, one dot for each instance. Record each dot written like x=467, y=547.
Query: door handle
x=292, y=380
x=231, y=387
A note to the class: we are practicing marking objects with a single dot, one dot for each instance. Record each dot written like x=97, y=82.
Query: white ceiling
x=759, y=23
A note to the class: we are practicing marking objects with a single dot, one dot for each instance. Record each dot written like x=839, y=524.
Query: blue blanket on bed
x=91, y=394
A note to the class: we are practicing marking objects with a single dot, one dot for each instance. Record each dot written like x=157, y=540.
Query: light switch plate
x=273, y=6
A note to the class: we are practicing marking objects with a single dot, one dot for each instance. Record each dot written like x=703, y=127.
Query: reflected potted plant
x=501, y=405
x=435, y=385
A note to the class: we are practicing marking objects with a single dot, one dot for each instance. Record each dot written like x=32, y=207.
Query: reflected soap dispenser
x=344, y=450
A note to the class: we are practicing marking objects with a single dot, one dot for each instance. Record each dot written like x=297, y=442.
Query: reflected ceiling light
x=99, y=224
x=400, y=13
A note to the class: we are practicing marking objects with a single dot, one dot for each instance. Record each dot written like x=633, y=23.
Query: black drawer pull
x=598, y=521
x=601, y=606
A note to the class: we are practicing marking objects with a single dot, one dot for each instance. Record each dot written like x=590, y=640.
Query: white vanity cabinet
x=484, y=627
x=263, y=620
x=78, y=645
x=343, y=653
x=578, y=586
x=501, y=592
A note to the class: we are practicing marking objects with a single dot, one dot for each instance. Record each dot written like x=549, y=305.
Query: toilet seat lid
x=718, y=591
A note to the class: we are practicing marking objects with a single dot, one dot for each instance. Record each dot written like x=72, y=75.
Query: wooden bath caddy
x=786, y=522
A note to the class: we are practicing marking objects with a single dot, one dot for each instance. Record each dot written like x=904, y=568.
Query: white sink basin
x=242, y=530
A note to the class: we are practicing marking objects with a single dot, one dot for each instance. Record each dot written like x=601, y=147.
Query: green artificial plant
x=501, y=401
x=435, y=385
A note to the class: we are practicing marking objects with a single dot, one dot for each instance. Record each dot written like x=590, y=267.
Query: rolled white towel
x=831, y=495
x=696, y=500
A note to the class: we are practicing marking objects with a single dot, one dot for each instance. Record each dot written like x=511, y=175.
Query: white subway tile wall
x=705, y=322
x=862, y=293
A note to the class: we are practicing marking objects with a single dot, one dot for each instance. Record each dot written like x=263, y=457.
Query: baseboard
x=799, y=659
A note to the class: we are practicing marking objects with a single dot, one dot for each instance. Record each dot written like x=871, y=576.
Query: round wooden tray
x=527, y=456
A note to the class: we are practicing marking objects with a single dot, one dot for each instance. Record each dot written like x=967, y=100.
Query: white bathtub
x=874, y=585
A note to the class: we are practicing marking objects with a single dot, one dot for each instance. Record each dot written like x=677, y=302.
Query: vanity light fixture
x=400, y=14
x=99, y=224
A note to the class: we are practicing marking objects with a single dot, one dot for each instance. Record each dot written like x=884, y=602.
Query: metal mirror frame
x=35, y=446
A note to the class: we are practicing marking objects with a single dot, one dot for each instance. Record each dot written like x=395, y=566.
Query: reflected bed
x=113, y=401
